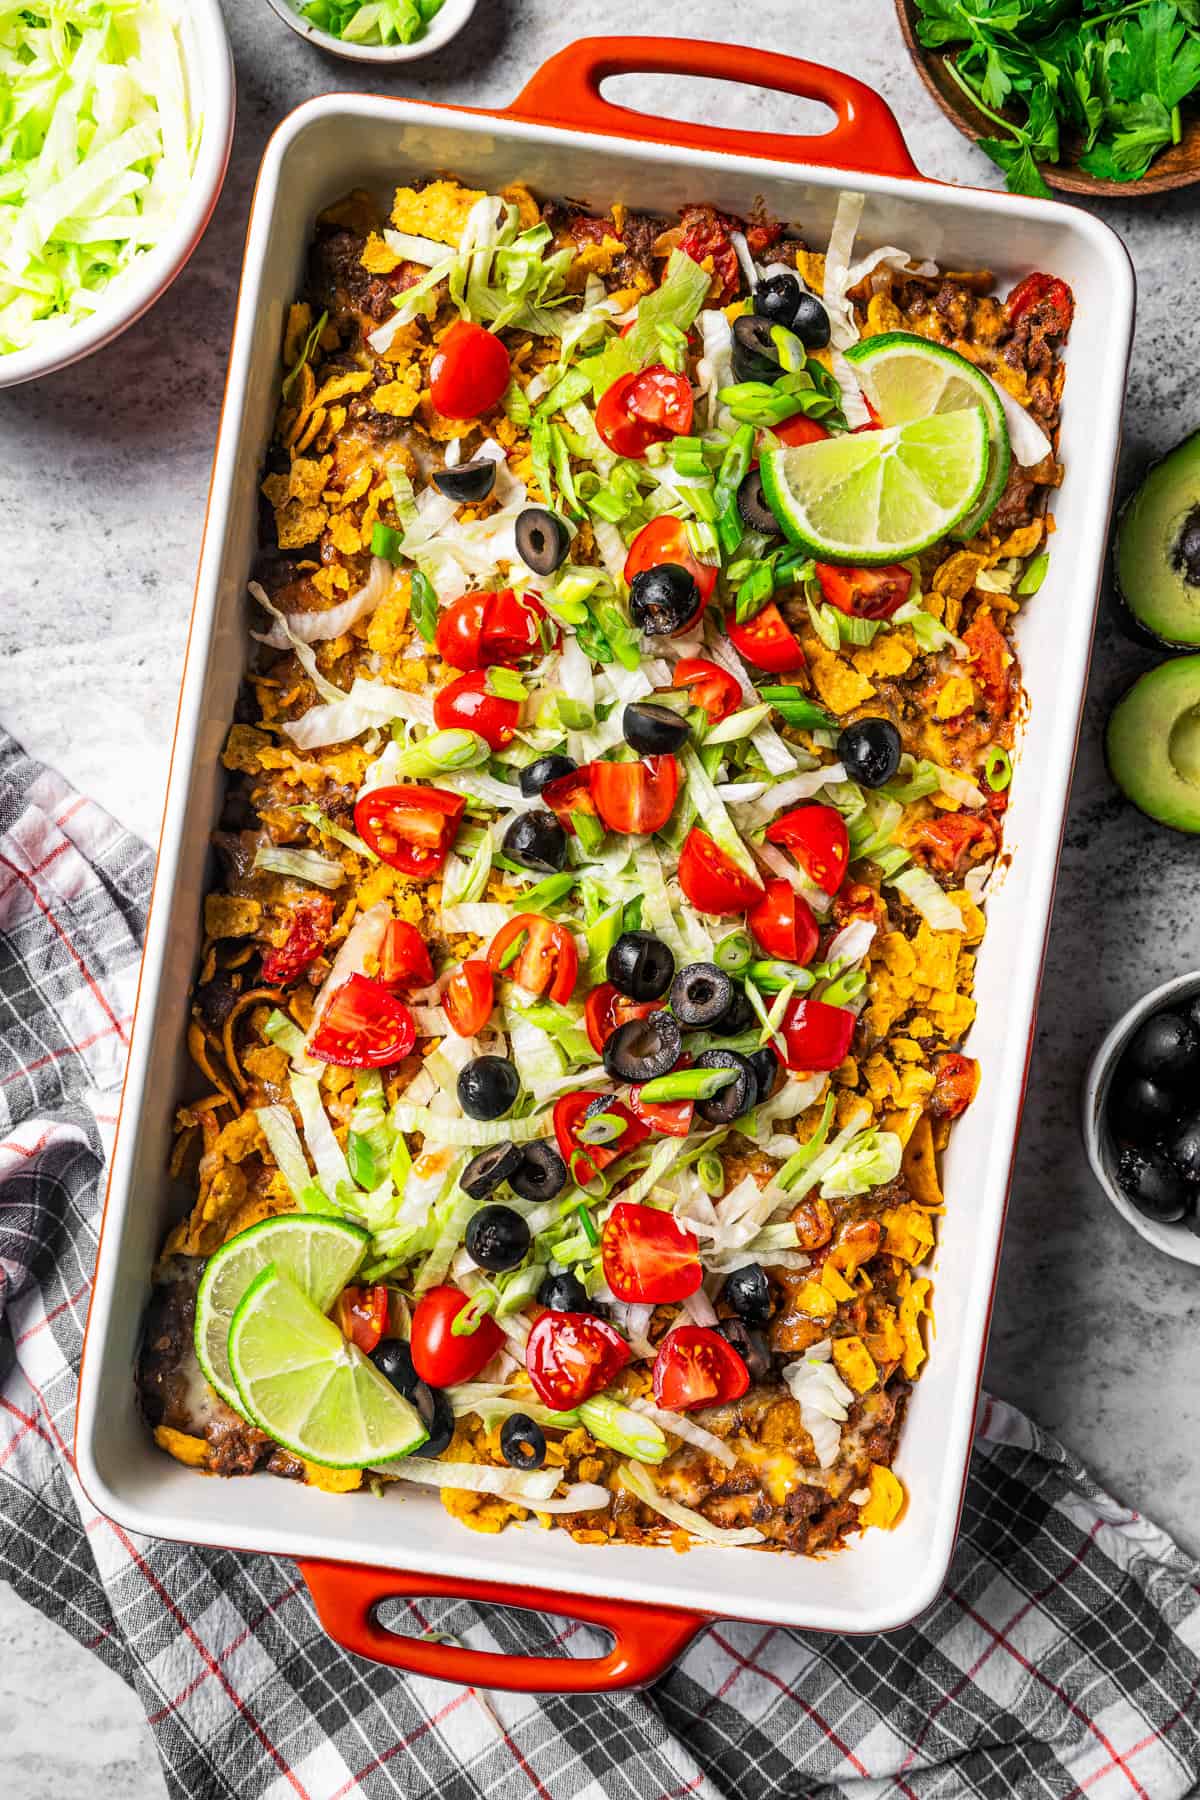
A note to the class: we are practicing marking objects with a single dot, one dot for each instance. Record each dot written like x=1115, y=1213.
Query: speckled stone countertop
x=103, y=473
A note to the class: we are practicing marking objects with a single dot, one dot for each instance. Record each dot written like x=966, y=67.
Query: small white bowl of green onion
x=376, y=31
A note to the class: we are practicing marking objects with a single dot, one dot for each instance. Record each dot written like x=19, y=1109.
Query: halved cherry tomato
x=469, y=997
x=709, y=687
x=468, y=702
x=404, y=957
x=665, y=540
x=711, y=880
x=438, y=1356
x=409, y=828
x=640, y=410
x=817, y=1036
x=606, y=1007
x=991, y=662
x=648, y=1258
x=1052, y=296
x=697, y=1367
x=957, y=1078
x=586, y=1161
x=800, y=430
x=766, y=640
x=817, y=838
x=945, y=841
x=568, y=794
x=635, y=796
x=363, y=1027
x=571, y=1356
x=547, y=961
x=671, y=1118
x=469, y=371
x=479, y=630
x=864, y=593
x=784, y=925
x=361, y=1315
x=305, y=940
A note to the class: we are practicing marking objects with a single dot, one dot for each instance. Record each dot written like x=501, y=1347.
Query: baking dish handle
x=566, y=92
x=646, y=1639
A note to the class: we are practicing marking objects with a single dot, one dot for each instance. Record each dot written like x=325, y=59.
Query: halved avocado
x=1158, y=547
x=1153, y=743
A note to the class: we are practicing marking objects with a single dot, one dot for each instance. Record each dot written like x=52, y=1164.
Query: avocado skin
x=1151, y=574
x=1153, y=743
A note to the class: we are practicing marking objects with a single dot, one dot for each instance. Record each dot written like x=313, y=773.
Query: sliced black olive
x=393, y=1358
x=748, y=1291
x=522, y=1442
x=1139, y=1109
x=734, y=1100
x=750, y=1345
x=700, y=995
x=1155, y=1187
x=765, y=1064
x=437, y=1416
x=738, y=1016
x=546, y=769
x=755, y=356
x=1183, y=1148
x=811, y=323
x=566, y=1293
x=653, y=730
x=777, y=298
x=640, y=965
x=485, y=1172
x=497, y=1238
x=869, y=751
x=542, y=540
x=643, y=1048
x=487, y=1087
x=542, y=1173
x=1166, y=1048
x=752, y=505
x=469, y=482
x=536, y=840
x=663, y=599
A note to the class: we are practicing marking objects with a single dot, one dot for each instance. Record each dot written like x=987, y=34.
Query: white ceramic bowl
x=1176, y=1240
x=209, y=67
x=445, y=25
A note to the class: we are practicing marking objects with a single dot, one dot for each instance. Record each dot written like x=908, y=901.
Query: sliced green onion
x=797, y=709
x=770, y=977
x=711, y=1174
x=779, y=1006
x=672, y=347
x=512, y=952
x=385, y=541
x=847, y=987
x=735, y=465
x=596, y=1185
x=687, y=454
x=997, y=769
x=443, y=751
x=548, y=892
x=1034, y=575
x=574, y=714
x=588, y=1224
x=734, y=951
x=738, y=725
x=361, y=1159
x=688, y=1084
x=506, y=684
x=423, y=604
x=602, y=1128
x=793, y=358
x=472, y=1315
x=623, y=1429
x=754, y=592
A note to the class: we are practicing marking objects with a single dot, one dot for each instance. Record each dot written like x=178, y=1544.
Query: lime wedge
x=319, y=1253
x=877, y=496
x=302, y=1383
x=906, y=377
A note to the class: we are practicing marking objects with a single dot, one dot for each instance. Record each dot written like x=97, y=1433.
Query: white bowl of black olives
x=1141, y=1117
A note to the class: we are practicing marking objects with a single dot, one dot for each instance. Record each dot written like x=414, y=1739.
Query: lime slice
x=906, y=377
x=302, y=1383
x=877, y=496
x=319, y=1253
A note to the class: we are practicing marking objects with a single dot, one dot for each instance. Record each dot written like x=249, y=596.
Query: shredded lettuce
x=932, y=902
x=277, y=1127
x=303, y=865
x=869, y=1160
x=677, y=301
x=328, y=1155
x=638, y=1482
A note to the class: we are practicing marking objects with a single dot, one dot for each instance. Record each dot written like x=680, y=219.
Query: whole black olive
x=565, y=1293
x=1139, y=1109
x=542, y=1172
x=522, y=1442
x=487, y=1087
x=755, y=357
x=869, y=751
x=545, y=770
x=640, y=965
x=734, y=1100
x=393, y=1358
x=469, y=482
x=778, y=298
x=738, y=1016
x=653, y=730
x=1156, y=1188
x=663, y=599
x=643, y=1048
x=811, y=323
x=437, y=1416
x=1183, y=1148
x=752, y=505
x=700, y=995
x=542, y=540
x=765, y=1064
x=750, y=1345
x=497, y=1238
x=485, y=1172
x=536, y=840
x=748, y=1291
x=1166, y=1048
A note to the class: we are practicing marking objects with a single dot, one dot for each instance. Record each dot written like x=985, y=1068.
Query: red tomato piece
x=817, y=838
x=479, y=630
x=864, y=593
x=991, y=663
x=665, y=540
x=306, y=937
x=361, y=1315
x=706, y=239
x=568, y=794
x=670, y=1118
x=606, y=1007
x=648, y=1257
x=643, y=409
x=635, y=796
x=547, y=961
x=711, y=880
x=957, y=1078
x=783, y=923
x=363, y=1027
x=571, y=1356
x=469, y=997
x=622, y=433
x=945, y=841
x=709, y=686
x=404, y=957
x=800, y=429
x=586, y=1161
x=817, y=1036
x=469, y=703
x=766, y=640
x=409, y=828
x=438, y=1356
x=1053, y=299
x=469, y=371
x=697, y=1367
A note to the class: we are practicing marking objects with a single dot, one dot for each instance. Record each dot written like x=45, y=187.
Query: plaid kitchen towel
x=1063, y=1657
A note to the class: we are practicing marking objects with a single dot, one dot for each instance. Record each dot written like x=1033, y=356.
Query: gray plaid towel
x=1062, y=1658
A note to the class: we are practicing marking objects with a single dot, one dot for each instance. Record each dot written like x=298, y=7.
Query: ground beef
x=216, y=999
x=166, y=1351
x=235, y=1448
x=339, y=284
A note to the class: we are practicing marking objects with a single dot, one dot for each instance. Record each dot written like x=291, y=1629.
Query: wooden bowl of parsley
x=1091, y=97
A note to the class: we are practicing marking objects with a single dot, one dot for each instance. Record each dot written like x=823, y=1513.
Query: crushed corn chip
x=854, y=1363
x=332, y=1481
x=887, y=1499
x=190, y=1450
